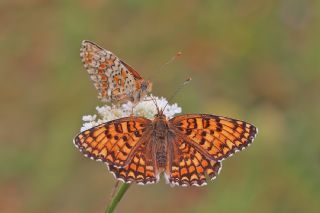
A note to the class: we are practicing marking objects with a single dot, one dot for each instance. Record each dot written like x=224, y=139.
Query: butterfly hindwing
x=216, y=136
x=189, y=166
x=140, y=170
x=113, y=142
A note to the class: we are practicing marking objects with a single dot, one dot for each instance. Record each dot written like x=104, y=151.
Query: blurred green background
x=257, y=61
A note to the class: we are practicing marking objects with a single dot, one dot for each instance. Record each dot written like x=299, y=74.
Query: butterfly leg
x=132, y=109
x=147, y=99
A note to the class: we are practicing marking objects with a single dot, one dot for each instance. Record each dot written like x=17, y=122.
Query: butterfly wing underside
x=114, y=79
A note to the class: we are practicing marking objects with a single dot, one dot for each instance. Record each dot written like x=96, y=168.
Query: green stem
x=116, y=199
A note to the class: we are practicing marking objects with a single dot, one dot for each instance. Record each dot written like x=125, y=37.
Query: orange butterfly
x=186, y=148
x=114, y=79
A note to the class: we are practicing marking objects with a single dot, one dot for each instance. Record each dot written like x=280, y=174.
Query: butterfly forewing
x=113, y=142
x=114, y=79
x=216, y=137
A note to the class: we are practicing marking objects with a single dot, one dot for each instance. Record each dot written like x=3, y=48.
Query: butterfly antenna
x=175, y=92
x=155, y=103
x=173, y=58
x=178, y=54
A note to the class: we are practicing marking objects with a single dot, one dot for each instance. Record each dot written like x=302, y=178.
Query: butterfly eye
x=144, y=85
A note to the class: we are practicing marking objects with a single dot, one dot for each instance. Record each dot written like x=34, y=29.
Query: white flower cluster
x=145, y=108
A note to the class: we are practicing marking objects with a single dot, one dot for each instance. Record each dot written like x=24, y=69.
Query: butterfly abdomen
x=161, y=158
x=160, y=133
x=160, y=151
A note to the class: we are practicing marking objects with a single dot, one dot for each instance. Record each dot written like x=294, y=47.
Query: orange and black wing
x=189, y=167
x=140, y=170
x=216, y=137
x=114, y=142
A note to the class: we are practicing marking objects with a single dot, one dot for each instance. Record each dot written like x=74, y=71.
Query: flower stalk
x=117, y=197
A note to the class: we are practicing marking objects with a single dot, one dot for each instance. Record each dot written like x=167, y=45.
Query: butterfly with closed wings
x=115, y=80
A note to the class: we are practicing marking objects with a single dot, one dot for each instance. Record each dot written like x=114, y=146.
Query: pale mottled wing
x=114, y=79
x=132, y=71
x=140, y=170
x=114, y=142
x=216, y=137
x=188, y=166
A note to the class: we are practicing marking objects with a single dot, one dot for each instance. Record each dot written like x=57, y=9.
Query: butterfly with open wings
x=187, y=149
x=115, y=80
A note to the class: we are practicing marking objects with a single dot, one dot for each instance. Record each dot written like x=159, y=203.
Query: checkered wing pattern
x=114, y=142
x=189, y=166
x=215, y=137
x=114, y=79
x=140, y=170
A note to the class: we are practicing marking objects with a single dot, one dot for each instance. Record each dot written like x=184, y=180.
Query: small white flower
x=145, y=108
x=89, y=117
x=88, y=125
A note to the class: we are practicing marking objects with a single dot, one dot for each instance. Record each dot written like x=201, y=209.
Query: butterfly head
x=146, y=86
x=143, y=88
x=160, y=115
